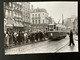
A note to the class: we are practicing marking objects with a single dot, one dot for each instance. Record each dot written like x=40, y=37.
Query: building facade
x=49, y=20
x=17, y=16
x=8, y=15
x=26, y=15
x=75, y=25
x=71, y=23
x=39, y=19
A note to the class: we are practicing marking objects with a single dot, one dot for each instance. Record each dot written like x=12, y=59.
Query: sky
x=56, y=9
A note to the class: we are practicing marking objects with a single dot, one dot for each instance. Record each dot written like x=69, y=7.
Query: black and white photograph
x=40, y=27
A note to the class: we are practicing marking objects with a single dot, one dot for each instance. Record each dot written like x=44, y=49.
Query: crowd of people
x=18, y=38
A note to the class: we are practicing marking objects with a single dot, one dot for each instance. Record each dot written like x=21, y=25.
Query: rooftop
x=39, y=10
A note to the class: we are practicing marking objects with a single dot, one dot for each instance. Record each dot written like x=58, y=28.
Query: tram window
x=54, y=26
x=48, y=28
x=51, y=29
x=57, y=28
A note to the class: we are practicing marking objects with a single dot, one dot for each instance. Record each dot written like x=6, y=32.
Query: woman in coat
x=7, y=39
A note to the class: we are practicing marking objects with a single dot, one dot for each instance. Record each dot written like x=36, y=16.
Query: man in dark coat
x=36, y=36
x=23, y=38
x=32, y=37
x=41, y=35
x=71, y=38
x=19, y=38
x=44, y=35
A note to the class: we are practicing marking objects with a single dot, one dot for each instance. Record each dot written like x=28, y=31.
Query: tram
x=56, y=32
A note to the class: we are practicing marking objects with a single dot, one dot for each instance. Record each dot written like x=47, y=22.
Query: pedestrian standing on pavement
x=19, y=38
x=7, y=39
x=32, y=37
x=14, y=38
x=4, y=39
x=71, y=38
x=10, y=38
x=23, y=37
x=36, y=36
x=29, y=37
x=26, y=37
x=44, y=35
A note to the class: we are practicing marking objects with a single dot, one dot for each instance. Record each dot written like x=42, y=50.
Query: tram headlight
x=51, y=34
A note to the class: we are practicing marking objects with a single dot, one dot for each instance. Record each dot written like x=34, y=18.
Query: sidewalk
x=70, y=49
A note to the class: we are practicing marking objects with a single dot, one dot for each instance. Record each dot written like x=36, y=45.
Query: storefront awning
x=9, y=25
x=18, y=24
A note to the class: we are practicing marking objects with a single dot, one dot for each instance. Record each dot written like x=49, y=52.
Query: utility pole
x=62, y=20
x=58, y=21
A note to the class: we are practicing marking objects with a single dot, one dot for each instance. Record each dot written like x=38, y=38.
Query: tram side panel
x=56, y=35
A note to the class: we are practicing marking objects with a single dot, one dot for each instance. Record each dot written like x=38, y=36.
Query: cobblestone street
x=45, y=47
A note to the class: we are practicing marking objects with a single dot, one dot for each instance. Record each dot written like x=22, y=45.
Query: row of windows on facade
x=21, y=20
x=15, y=15
x=37, y=22
x=7, y=12
x=22, y=9
x=39, y=10
x=17, y=10
x=10, y=13
x=17, y=6
x=33, y=18
x=36, y=15
x=12, y=5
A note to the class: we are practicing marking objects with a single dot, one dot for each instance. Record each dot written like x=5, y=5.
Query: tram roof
x=59, y=25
